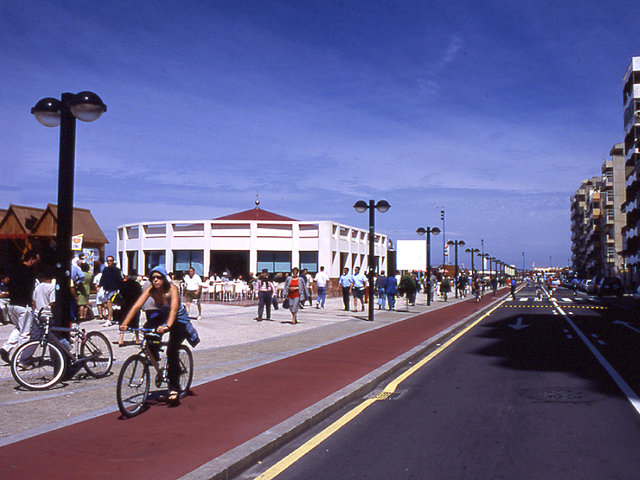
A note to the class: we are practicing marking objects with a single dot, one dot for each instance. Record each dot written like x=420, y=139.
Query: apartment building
x=585, y=244
x=631, y=206
x=597, y=221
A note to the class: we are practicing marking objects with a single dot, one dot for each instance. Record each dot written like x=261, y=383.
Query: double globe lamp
x=361, y=206
x=51, y=112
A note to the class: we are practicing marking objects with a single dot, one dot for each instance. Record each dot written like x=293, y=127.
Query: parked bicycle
x=41, y=363
x=135, y=376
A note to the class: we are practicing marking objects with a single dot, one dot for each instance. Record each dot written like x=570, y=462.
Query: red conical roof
x=257, y=214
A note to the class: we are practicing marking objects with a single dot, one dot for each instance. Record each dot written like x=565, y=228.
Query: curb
x=230, y=464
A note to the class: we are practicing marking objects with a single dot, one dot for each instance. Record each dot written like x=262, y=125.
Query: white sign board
x=412, y=254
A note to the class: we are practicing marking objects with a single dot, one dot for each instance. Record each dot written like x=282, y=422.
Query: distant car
x=554, y=282
x=610, y=286
x=635, y=301
x=584, y=285
x=592, y=288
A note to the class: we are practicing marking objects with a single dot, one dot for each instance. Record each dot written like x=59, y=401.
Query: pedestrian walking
x=22, y=282
x=111, y=280
x=391, y=289
x=295, y=291
x=193, y=290
x=346, y=282
x=322, y=280
x=381, y=286
x=266, y=291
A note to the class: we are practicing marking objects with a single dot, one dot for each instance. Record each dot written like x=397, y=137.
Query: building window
x=274, y=261
x=309, y=260
x=154, y=258
x=183, y=260
x=132, y=262
x=133, y=232
x=610, y=214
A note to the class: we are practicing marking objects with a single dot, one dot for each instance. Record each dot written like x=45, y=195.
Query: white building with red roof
x=246, y=242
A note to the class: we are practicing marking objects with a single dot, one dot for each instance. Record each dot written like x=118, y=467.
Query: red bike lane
x=166, y=443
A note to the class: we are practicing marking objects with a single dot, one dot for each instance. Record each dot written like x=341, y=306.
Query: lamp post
x=361, y=206
x=444, y=236
x=456, y=243
x=429, y=231
x=51, y=112
x=483, y=256
x=522, y=264
x=473, y=252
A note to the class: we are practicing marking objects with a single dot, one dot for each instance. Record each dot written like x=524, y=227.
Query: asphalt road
x=528, y=393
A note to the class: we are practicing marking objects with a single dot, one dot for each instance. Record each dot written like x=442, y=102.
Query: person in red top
x=295, y=290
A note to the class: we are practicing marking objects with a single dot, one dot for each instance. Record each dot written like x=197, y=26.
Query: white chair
x=228, y=290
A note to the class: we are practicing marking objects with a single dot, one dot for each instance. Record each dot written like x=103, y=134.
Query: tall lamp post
x=361, y=206
x=51, y=112
x=456, y=243
x=473, y=252
x=429, y=231
x=483, y=256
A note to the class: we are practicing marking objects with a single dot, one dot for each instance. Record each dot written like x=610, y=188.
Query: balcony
x=631, y=156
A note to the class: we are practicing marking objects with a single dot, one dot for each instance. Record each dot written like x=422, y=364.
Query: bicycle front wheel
x=97, y=354
x=186, y=370
x=38, y=366
x=133, y=386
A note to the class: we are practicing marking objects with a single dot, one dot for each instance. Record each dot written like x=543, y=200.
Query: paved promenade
x=256, y=384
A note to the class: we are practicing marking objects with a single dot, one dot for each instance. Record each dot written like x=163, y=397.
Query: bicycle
x=134, y=379
x=41, y=363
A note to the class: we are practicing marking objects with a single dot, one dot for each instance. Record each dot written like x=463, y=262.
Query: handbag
x=274, y=300
x=285, y=303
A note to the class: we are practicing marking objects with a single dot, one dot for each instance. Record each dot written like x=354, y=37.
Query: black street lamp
x=483, y=256
x=429, y=231
x=473, y=252
x=456, y=243
x=51, y=112
x=361, y=206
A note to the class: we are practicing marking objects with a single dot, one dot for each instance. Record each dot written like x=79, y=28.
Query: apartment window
x=609, y=175
x=610, y=215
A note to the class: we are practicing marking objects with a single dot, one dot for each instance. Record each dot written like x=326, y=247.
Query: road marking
x=308, y=446
x=626, y=389
x=627, y=324
x=518, y=325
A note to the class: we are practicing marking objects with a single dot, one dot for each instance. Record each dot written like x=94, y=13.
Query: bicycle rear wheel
x=38, y=365
x=133, y=386
x=186, y=370
x=97, y=354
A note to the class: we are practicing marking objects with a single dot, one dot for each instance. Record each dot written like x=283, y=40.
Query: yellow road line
x=301, y=451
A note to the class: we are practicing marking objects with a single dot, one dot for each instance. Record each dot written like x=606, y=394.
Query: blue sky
x=494, y=110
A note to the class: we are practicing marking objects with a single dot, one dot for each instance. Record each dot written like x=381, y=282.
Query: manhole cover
x=563, y=395
x=383, y=396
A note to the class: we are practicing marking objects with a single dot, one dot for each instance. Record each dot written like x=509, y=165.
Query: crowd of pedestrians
x=22, y=290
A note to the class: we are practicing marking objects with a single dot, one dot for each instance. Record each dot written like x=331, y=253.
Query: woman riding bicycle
x=168, y=315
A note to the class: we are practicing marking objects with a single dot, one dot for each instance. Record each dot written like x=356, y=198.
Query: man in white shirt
x=322, y=278
x=193, y=289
